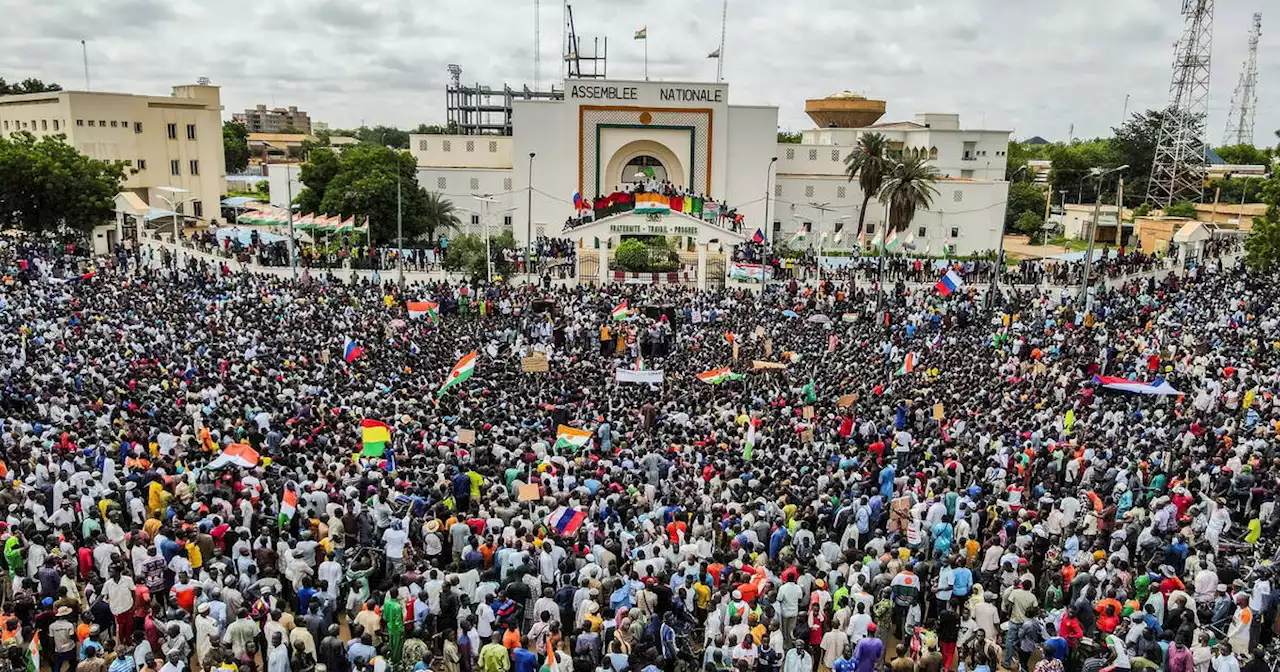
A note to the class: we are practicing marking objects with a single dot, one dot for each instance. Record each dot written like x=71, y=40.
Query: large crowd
x=936, y=486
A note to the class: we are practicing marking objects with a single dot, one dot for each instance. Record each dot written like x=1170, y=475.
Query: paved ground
x=1018, y=247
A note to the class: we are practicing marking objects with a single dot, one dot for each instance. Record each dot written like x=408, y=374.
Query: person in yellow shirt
x=606, y=340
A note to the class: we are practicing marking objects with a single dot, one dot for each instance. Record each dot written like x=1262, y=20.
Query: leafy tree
x=363, y=182
x=263, y=187
x=869, y=163
x=1024, y=197
x=385, y=136
x=47, y=185
x=1072, y=164
x=631, y=255
x=1031, y=224
x=1262, y=247
x=1142, y=210
x=315, y=175
x=1017, y=156
x=909, y=187
x=790, y=137
x=28, y=85
x=1238, y=189
x=1181, y=209
x=1134, y=143
x=438, y=215
x=466, y=253
x=235, y=146
x=435, y=129
x=1247, y=155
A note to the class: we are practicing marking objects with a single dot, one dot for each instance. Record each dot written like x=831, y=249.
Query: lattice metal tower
x=1244, y=102
x=1178, y=170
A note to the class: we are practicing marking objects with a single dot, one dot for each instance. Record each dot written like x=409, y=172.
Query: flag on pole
x=566, y=521
x=619, y=312
x=810, y=392
x=717, y=376
x=908, y=364
x=949, y=283
x=714, y=54
x=288, y=505
x=33, y=647
x=427, y=309
x=643, y=33
x=460, y=374
x=374, y=436
x=758, y=236
x=891, y=242
x=238, y=455
x=571, y=438
x=749, y=449
x=937, y=341
x=350, y=351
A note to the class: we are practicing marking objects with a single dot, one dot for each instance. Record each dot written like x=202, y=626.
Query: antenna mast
x=1244, y=102
x=537, y=40
x=1177, y=173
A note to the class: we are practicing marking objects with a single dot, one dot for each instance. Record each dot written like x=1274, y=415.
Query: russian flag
x=937, y=340
x=1159, y=386
x=565, y=520
x=758, y=236
x=351, y=352
x=577, y=200
x=949, y=283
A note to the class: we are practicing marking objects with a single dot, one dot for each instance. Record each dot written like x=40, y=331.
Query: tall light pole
x=485, y=200
x=768, y=228
x=528, y=223
x=175, y=204
x=399, y=230
x=995, y=279
x=288, y=188
x=1093, y=230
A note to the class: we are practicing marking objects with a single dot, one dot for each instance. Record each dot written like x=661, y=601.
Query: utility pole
x=288, y=189
x=84, y=52
x=768, y=228
x=528, y=224
x=399, y=230
x=1093, y=230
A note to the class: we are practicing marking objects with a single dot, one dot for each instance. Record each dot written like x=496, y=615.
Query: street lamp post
x=175, y=204
x=486, y=199
x=399, y=231
x=1093, y=230
x=528, y=223
x=768, y=229
x=293, y=260
x=995, y=278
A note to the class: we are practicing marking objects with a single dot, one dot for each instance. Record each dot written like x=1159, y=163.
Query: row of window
x=813, y=154
x=841, y=193
x=442, y=183
x=94, y=123
x=43, y=125
x=807, y=227
x=447, y=146
x=475, y=220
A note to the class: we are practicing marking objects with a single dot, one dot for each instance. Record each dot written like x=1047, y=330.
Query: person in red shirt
x=676, y=530
x=1070, y=629
x=1170, y=582
x=878, y=449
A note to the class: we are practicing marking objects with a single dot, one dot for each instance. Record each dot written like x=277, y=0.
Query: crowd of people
x=801, y=483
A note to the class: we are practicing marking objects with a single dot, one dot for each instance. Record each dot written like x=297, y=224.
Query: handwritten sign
x=847, y=400
x=529, y=493
x=939, y=412
x=808, y=412
x=536, y=363
x=466, y=437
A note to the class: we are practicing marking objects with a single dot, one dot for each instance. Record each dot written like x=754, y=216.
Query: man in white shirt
x=118, y=590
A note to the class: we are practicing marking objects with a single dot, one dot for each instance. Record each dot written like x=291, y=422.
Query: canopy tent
x=240, y=202
x=1157, y=387
x=245, y=235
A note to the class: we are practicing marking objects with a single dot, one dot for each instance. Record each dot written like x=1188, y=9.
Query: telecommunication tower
x=1244, y=102
x=1177, y=173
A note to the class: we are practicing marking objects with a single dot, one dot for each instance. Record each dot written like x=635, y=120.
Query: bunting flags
x=460, y=374
x=374, y=436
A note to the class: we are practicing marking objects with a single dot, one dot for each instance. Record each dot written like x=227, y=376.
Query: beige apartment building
x=172, y=141
x=274, y=120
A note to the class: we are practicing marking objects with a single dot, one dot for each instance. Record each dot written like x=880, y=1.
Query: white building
x=172, y=144
x=594, y=140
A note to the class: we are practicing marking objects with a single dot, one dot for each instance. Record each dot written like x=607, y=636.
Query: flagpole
x=646, y=54
x=724, y=14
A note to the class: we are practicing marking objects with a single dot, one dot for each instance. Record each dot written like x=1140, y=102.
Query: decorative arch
x=676, y=171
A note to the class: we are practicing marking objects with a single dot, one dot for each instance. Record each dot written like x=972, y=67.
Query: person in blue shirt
x=1055, y=647
x=524, y=660
x=961, y=578
x=776, y=542
x=886, y=480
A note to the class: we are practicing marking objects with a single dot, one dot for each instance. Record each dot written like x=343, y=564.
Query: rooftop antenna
x=537, y=40
x=1177, y=172
x=84, y=51
x=724, y=18
x=1244, y=101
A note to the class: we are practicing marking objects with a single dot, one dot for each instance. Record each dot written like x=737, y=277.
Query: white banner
x=630, y=376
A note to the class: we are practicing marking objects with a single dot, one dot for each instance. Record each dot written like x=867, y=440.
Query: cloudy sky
x=1032, y=67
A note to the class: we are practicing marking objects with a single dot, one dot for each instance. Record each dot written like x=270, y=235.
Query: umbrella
x=819, y=318
x=790, y=313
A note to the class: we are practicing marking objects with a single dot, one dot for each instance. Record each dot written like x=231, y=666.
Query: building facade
x=274, y=120
x=594, y=140
x=173, y=144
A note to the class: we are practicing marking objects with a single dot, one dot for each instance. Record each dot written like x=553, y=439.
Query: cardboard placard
x=759, y=330
x=847, y=400
x=735, y=350
x=808, y=412
x=939, y=411
x=466, y=437
x=807, y=435
x=760, y=365
x=529, y=493
x=535, y=363
x=768, y=347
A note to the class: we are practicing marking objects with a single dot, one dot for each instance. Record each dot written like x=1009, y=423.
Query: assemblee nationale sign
x=665, y=94
x=656, y=229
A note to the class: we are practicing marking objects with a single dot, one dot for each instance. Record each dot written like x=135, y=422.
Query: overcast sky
x=1032, y=67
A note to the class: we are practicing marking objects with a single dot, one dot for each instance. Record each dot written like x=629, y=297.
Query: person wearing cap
x=62, y=632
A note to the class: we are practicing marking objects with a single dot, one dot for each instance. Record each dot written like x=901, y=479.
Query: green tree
x=235, y=146
x=631, y=255
x=385, y=136
x=1072, y=164
x=438, y=215
x=363, y=182
x=1031, y=224
x=263, y=187
x=1237, y=189
x=790, y=137
x=434, y=129
x=1134, y=144
x=1024, y=197
x=1181, y=209
x=909, y=187
x=466, y=254
x=1246, y=155
x=869, y=163
x=1262, y=247
x=46, y=185
x=315, y=175
x=28, y=85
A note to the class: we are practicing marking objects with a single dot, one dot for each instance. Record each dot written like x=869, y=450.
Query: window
x=6, y=125
x=103, y=123
x=442, y=183
x=808, y=191
x=966, y=173
x=44, y=124
x=137, y=127
x=173, y=131
x=475, y=183
x=174, y=168
x=957, y=196
x=197, y=208
x=922, y=232
x=813, y=155
x=91, y=123
x=471, y=145
x=124, y=124
x=791, y=153
x=142, y=164
x=446, y=146
x=840, y=192
x=777, y=191
x=806, y=227
x=422, y=145
x=835, y=155
x=955, y=232
x=777, y=227
x=475, y=220
x=871, y=229
x=493, y=146
x=55, y=124
x=79, y=122
x=506, y=184
x=191, y=131
x=113, y=123
x=506, y=219
x=194, y=166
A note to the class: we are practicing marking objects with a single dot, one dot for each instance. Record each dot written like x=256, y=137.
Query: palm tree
x=438, y=214
x=869, y=164
x=909, y=188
